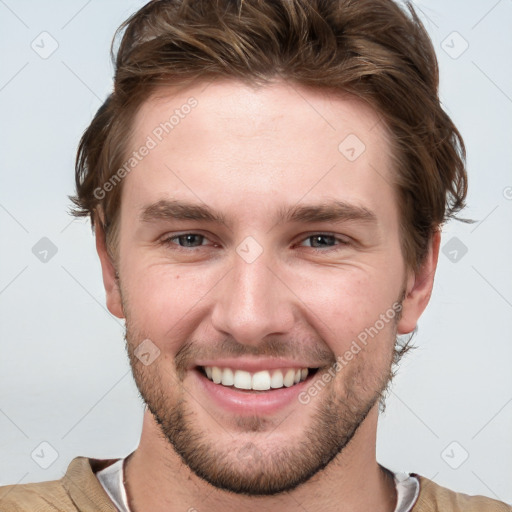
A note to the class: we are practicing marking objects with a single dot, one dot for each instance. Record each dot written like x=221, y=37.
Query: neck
x=156, y=479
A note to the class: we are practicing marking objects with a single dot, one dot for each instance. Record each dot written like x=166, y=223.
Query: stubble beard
x=256, y=468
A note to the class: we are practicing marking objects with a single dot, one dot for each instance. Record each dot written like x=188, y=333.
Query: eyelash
x=341, y=242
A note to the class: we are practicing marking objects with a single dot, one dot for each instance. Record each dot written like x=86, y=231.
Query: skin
x=246, y=153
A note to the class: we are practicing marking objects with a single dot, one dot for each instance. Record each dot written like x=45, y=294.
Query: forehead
x=249, y=109
x=236, y=146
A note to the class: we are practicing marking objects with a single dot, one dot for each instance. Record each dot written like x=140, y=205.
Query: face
x=260, y=267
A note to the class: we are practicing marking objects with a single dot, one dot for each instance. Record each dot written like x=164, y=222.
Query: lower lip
x=249, y=403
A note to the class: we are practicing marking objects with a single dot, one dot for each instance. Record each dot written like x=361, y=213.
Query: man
x=267, y=184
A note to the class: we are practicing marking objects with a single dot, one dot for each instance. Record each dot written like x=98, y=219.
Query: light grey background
x=64, y=376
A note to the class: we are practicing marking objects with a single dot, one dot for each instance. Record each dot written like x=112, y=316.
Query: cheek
x=340, y=304
x=345, y=303
x=163, y=301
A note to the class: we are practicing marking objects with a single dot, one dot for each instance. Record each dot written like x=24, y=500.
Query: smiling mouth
x=263, y=380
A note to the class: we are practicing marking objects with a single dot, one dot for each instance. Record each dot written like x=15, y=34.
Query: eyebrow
x=329, y=211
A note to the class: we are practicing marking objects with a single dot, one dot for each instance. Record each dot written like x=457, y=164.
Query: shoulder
x=40, y=496
x=77, y=490
x=435, y=498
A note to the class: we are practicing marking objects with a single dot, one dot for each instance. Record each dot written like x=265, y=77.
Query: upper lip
x=254, y=365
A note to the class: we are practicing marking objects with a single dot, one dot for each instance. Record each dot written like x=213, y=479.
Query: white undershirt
x=111, y=478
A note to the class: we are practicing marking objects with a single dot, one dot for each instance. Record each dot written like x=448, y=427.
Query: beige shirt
x=80, y=490
x=112, y=480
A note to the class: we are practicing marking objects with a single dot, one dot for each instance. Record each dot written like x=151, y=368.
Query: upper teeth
x=259, y=381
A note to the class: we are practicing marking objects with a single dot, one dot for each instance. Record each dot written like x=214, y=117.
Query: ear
x=110, y=281
x=419, y=288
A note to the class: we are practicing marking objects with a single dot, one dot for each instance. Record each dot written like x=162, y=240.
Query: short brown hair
x=373, y=49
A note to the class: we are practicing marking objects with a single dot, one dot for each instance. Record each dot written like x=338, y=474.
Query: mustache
x=314, y=354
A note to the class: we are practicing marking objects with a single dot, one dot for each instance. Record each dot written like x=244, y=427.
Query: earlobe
x=110, y=280
x=419, y=288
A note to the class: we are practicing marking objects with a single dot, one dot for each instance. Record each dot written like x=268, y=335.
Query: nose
x=253, y=301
